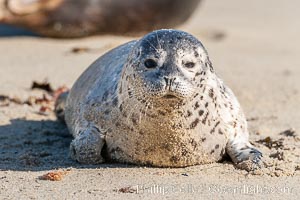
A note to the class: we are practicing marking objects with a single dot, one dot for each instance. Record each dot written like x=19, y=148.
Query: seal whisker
x=141, y=112
x=129, y=97
x=132, y=112
x=114, y=97
x=143, y=109
x=153, y=46
x=157, y=38
x=148, y=102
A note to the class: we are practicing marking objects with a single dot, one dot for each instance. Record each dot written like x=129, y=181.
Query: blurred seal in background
x=80, y=18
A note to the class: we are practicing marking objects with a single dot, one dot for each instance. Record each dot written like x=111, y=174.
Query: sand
x=254, y=46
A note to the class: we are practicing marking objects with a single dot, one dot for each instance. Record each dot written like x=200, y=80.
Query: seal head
x=163, y=65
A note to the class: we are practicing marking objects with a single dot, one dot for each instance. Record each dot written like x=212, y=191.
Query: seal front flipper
x=244, y=155
x=87, y=146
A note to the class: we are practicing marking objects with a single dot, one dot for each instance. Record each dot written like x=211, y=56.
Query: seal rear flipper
x=60, y=105
x=87, y=146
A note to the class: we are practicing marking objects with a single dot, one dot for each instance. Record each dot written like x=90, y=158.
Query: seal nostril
x=169, y=82
x=166, y=79
x=172, y=81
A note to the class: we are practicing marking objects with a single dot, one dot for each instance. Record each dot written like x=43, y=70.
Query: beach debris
x=270, y=143
x=252, y=119
x=59, y=91
x=272, y=117
x=289, y=133
x=279, y=155
x=184, y=174
x=46, y=86
x=54, y=176
x=42, y=86
x=46, y=102
x=218, y=35
x=126, y=190
x=6, y=100
x=16, y=100
x=45, y=110
x=32, y=100
x=159, y=173
x=80, y=50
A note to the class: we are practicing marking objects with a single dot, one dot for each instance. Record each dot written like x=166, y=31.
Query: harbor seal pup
x=79, y=18
x=156, y=101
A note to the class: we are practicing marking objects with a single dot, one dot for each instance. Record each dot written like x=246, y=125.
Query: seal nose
x=169, y=82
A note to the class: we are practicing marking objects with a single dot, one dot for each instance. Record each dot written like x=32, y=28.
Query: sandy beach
x=254, y=47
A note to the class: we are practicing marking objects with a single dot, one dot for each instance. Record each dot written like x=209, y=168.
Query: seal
x=61, y=18
x=156, y=101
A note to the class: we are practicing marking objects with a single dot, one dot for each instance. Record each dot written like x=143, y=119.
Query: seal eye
x=189, y=65
x=150, y=63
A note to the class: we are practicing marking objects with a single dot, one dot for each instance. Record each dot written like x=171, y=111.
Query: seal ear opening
x=60, y=105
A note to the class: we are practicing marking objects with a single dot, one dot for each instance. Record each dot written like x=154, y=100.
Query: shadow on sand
x=38, y=145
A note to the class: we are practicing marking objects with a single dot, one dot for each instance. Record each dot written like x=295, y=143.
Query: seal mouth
x=170, y=96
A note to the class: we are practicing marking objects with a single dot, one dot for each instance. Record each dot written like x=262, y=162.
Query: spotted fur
x=159, y=102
